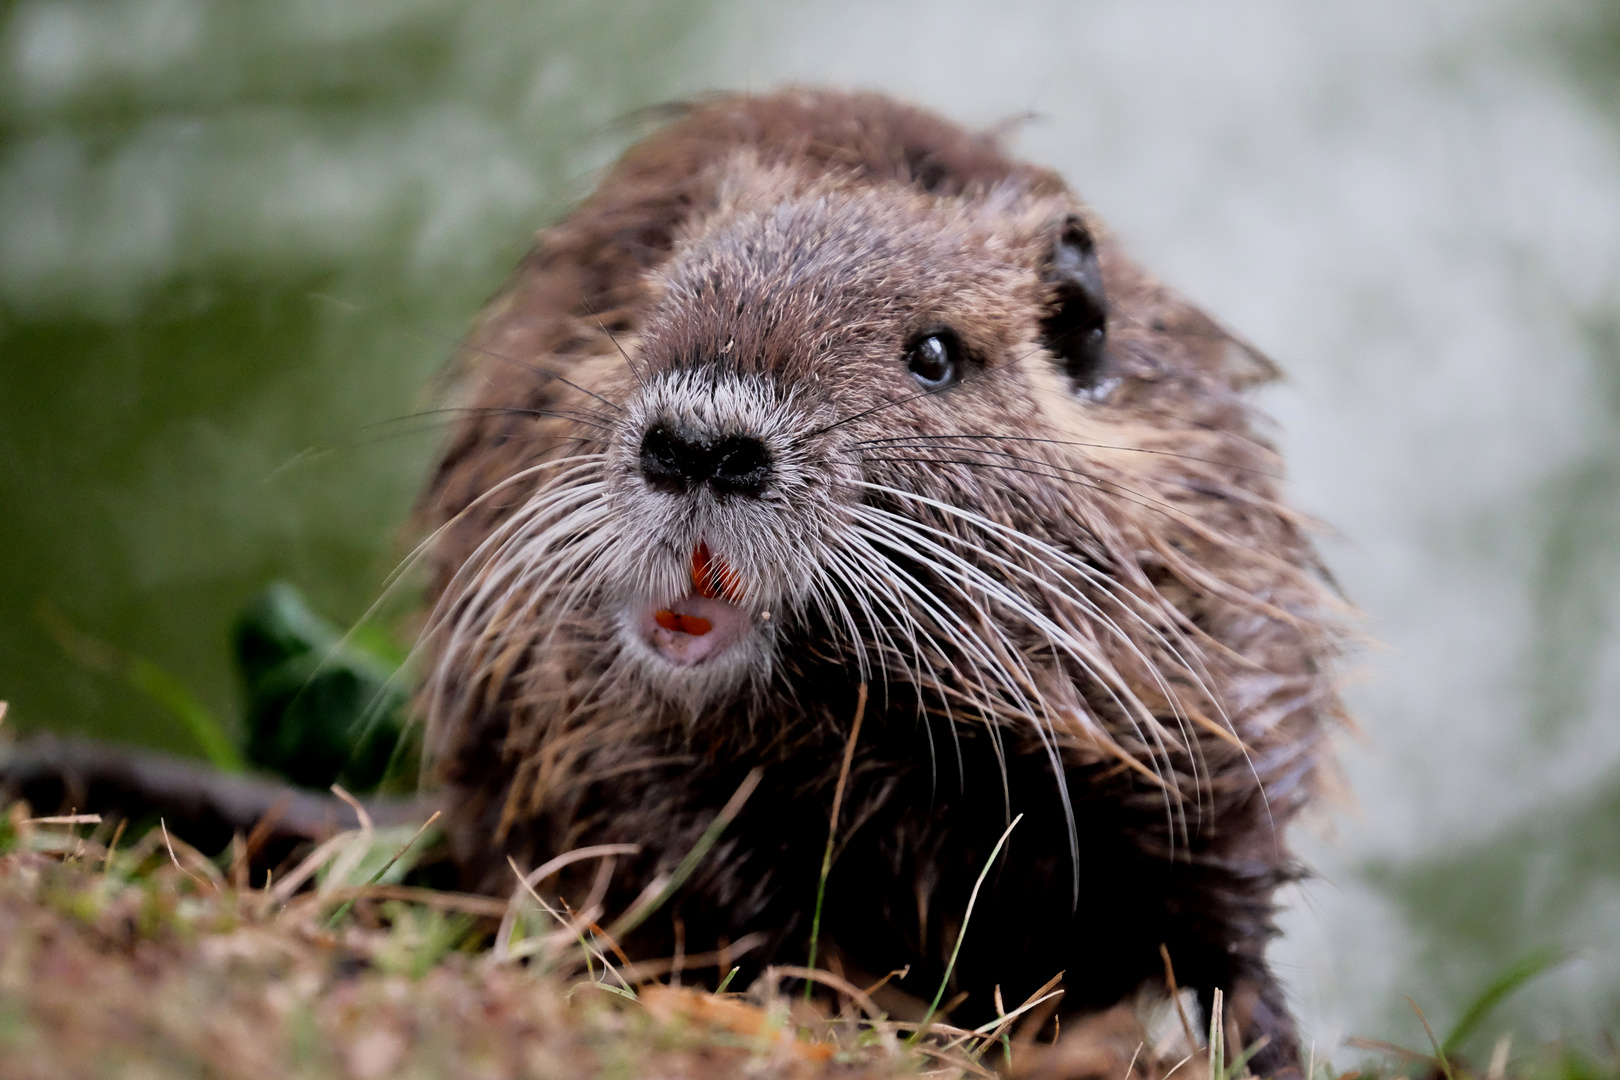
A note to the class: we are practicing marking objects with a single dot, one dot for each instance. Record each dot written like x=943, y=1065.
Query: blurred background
x=1414, y=205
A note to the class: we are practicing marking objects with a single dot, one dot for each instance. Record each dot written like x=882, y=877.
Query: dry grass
x=148, y=961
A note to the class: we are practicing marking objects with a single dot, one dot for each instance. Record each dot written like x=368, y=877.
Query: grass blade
x=1440, y=1055
x=162, y=687
x=1521, y=972
x=950, y=965
x=832, y=832
x=637, y=915
x=337, y=916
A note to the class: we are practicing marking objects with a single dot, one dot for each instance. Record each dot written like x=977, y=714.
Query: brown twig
x=1175, y=996
x=169, y=843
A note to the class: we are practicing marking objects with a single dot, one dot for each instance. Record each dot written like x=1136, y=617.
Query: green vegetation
x=319, y=706
x=322, y=707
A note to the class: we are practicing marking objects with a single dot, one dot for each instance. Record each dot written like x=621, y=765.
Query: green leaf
x=320, y=706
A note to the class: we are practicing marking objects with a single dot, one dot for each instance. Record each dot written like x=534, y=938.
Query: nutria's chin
x=819, y=391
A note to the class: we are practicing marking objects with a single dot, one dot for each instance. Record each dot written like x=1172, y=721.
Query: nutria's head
x=902, y=434
x=845, y=405
x=752, y=434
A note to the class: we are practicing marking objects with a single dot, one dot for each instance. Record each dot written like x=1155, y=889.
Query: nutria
x=819, y=391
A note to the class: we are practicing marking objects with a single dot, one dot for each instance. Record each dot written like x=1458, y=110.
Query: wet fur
x=1087, y=605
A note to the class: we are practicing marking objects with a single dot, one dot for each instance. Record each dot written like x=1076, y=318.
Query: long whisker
x=417, y=553
x=879, y=572
x=1081, y=654
x=1096, y=483
x=497, y=571
x=904, y=440
x=967, y=516
x=522, y=555
x=1194, y=668
x=1013, y=677
x=957, y=568
x=1181, y=650
x=579, y=416
x=1086, y=571
x=597, y=319
x=1188, y=521
x=1061, y=589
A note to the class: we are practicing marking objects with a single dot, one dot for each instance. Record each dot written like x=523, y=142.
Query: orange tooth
x=711, y=577
x=695, y=625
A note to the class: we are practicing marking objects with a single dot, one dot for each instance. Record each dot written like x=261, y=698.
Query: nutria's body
x=918, y=423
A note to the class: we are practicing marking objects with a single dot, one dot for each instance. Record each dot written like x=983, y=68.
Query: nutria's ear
x=1075, y=326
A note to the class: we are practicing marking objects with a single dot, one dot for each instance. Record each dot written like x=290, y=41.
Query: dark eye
x=933, y=360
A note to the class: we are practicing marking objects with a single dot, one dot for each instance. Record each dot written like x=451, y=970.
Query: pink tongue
x=693, y=628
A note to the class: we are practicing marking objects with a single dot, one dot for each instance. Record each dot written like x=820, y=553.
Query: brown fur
x=1129, y=644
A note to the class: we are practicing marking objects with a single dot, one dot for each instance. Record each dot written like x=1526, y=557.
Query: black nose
x=679, y=462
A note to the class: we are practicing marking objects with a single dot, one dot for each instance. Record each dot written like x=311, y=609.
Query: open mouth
x=705, y=622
